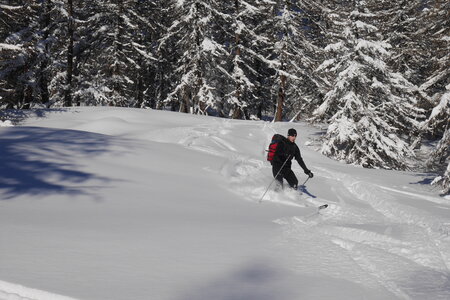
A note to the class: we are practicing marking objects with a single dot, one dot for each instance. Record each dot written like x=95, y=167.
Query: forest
x=376, y=72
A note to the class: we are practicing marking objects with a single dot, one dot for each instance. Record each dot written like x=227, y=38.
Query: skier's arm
x=302, y=164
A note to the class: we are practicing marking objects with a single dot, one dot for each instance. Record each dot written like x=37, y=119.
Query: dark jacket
x=288, y=150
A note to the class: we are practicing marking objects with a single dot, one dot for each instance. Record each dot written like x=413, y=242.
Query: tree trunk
x=70, y=31
x=185, y=105
x=281, y=99
x=117, y=71
x=139, y=92
x=43, y=80
x=237, y=111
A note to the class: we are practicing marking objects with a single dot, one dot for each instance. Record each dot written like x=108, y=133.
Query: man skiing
x=281, y=163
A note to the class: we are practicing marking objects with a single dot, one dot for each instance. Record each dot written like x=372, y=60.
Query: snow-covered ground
x=109, y=203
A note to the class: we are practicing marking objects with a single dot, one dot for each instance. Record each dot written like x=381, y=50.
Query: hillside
x=111, y=203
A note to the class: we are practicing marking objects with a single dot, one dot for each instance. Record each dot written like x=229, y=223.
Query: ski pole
x=260, y=200
x=305, y=181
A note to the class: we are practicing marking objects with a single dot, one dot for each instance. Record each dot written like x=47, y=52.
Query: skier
x=281, y=163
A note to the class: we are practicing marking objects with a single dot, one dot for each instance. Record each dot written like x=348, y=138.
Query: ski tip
x=323, y=206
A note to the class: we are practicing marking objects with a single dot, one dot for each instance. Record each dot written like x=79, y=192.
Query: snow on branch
x=9, y=7
x=10, y=47
x=378, y=46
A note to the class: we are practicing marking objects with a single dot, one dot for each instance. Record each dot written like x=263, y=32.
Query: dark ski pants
x=286, y=173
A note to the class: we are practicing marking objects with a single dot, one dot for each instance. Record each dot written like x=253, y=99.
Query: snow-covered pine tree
x=151, y=17
x=439, y=121
x=60, y=44
x=444, y=180
x=21, y=54
x=198, y=57
x=436, y=33
x=39, y=71
x=437, y=87
x=370, y=107
x=69, y=53
x=250, y=65
x=416, y=29
x=241, y=84
x=402, y=25
x=42, y=73
x=167, y=56
x=11, y=52
x=296, y=56
x=313, y=86
x=114, y=56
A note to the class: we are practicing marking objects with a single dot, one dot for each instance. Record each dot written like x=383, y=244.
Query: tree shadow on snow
x=427, y=178
x=427, y=283
x=425, y=181
x=262, y=280
x=255, y=281
x=17, y=116
x=42, y=161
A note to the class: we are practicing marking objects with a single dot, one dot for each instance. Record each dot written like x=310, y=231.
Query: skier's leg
x=279, y=179
x=291, y=178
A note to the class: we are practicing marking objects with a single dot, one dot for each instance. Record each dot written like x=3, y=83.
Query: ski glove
x=309, y=173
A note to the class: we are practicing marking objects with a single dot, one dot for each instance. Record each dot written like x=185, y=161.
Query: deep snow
x=110, y=203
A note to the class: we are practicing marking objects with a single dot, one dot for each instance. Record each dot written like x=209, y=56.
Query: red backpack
x=276, y=140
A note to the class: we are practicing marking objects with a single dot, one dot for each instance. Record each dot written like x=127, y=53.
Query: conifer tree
x=197, y=55
x=402, y=24
x=246, y=61
x=435, y=87
x=41, y=72
x=114, y=54
x=439, y=121
x=61, y=44
x=435, y=32
x=19, y=55
x=296, y=58
x=370, y=106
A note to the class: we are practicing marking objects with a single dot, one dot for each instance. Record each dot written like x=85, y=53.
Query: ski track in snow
x=413, y=267
x=369, y=234
x=422, y=252
x=422, y=255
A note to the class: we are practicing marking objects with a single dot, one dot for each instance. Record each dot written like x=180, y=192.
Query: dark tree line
x=238, y=59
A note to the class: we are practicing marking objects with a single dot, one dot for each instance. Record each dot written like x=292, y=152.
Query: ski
x=323, y=206
x=319, y=208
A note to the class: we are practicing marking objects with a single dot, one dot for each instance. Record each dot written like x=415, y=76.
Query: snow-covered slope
x=9, y=291
x=109, y=203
